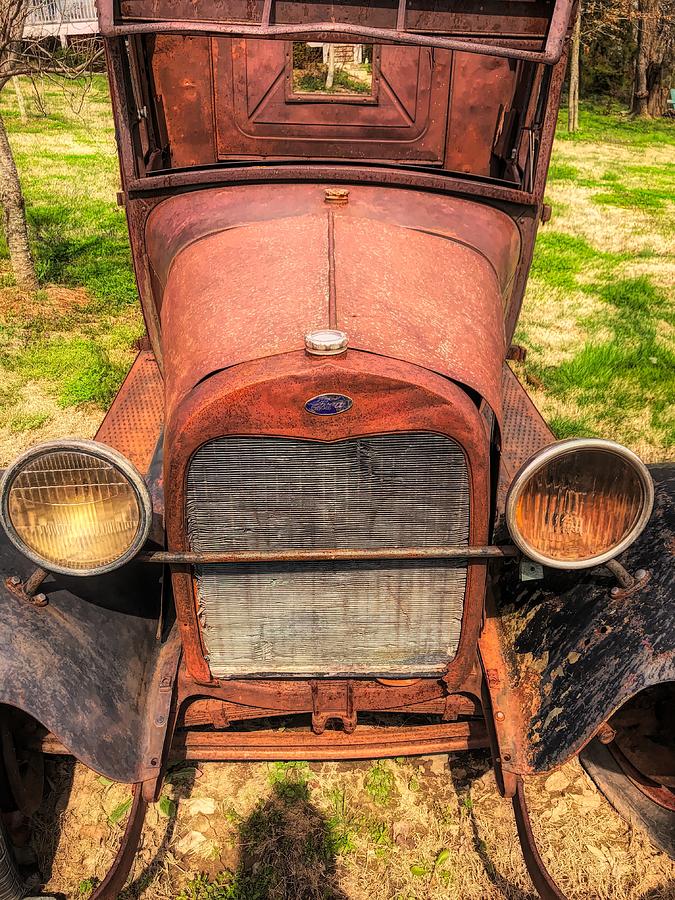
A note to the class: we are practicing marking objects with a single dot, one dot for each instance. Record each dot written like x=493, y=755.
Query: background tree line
x=624, y=50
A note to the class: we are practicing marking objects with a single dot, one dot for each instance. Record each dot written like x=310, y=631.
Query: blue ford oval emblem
x=328, y=404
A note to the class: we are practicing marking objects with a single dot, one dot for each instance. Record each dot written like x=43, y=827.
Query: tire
x=11, y=883
x=628, y=800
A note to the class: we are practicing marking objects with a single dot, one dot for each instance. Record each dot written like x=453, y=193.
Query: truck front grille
x=330, y=618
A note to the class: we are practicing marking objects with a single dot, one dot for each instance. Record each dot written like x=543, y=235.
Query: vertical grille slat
x=380, y=618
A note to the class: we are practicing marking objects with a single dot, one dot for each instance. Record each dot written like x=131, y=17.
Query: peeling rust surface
x=562, y=655
x=84, y=665
x=366, y=742
x=134, y=421
x=247, y=275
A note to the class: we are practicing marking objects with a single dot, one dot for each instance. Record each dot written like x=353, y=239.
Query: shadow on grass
x=463, y=790
x=85, y=245
x=667, y=892
x=45, y=827
x=286, y=851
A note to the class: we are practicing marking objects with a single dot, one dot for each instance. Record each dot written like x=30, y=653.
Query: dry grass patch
x=552, y=320
x=315, y=831
x=608, y=228
x=33, y=415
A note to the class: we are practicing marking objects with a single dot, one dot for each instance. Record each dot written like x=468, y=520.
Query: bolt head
x=338, y=196
x=640, y=574
x=40, y=600
x=615, y=591
x=15, y=580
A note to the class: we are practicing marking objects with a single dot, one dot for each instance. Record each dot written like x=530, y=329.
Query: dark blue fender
x=87, y=665
x=561, y=654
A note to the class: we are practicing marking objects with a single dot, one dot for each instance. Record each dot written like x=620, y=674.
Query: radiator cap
x=327, y=342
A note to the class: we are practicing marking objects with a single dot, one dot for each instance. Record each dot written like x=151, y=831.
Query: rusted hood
x=244, y=273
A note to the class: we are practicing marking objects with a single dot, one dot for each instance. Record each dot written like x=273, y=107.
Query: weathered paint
x=268, y=396
x=84, y=664
x=246, y=273
x=561, y=655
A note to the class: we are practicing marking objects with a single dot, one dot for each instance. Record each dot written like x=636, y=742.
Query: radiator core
x=385, y=618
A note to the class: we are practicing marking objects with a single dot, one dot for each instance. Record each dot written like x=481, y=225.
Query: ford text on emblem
x=328, y=404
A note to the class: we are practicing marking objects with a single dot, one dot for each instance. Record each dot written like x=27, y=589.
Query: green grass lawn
x=63, y=356
x=599, y=314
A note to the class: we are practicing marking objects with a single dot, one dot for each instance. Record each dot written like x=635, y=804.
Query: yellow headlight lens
x=579, y=503
x=79, y=509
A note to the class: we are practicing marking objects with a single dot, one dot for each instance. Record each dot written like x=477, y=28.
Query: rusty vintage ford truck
x=321, y=497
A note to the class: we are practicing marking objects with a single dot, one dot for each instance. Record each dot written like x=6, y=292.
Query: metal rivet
x=39, y=600
x=499, y=716
x=160, y=720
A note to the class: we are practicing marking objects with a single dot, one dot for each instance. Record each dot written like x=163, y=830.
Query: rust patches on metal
x=111, y=886
x=620, y=648
x=367, y=742
x=355, y=23
x=628, y=584
x=333, y=701
x=606, y=733
x=134, y=421
x=337, y=196
x=212, y=264
x=235, y=557
x=541, y=878
x=332, y=290
x=28, y=590
x=663, y=796
x=178, y=221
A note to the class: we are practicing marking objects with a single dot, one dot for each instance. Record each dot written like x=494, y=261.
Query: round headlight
x=579, y=503
x=75, y=507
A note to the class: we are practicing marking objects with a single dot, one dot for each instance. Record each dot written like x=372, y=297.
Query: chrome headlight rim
x=100, y=451
x=561, y=448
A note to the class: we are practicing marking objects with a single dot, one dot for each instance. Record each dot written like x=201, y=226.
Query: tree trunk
x=573, y=98
x=16, y=229
x=652, y=61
